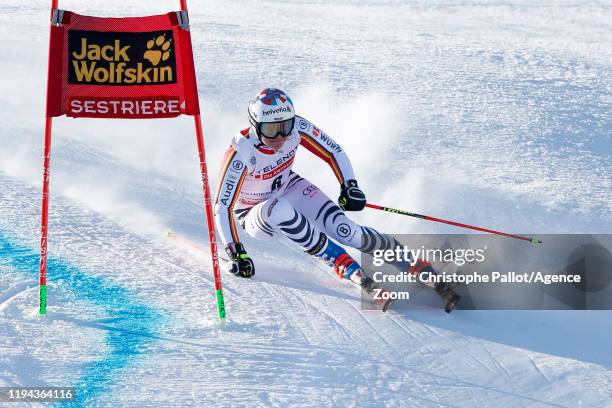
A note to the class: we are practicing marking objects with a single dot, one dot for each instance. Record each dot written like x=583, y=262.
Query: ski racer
x=258, y=187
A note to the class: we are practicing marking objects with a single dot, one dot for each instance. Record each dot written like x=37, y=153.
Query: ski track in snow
x=285, y=344
x=499, y=114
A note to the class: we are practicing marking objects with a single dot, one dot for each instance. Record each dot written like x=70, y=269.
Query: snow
x=491, y=113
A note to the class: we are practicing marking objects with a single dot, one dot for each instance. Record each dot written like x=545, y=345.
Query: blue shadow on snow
x=129, y=325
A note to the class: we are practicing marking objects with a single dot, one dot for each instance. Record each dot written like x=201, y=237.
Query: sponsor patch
x=237, y=165
x=330, y=143
x=277, y=110
x=309, y=190
x=227, y=192
x=343, y=230
x=246, y=201
x=275, y=171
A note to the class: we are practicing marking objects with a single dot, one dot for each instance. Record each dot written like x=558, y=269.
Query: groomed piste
x=475, y=112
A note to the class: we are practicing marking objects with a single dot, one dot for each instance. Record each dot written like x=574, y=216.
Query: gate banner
x=129, y=68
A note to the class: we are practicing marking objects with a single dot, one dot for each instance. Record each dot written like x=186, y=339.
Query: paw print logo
x=158, y=49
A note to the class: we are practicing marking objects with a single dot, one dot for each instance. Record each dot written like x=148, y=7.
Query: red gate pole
x=208, y=207
x=42, y=303
x=44, y=228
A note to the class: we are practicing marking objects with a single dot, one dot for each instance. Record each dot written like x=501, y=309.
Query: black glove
x=351, y=197
x=240, y=263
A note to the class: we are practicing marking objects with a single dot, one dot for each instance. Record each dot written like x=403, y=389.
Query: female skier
x=258, y=187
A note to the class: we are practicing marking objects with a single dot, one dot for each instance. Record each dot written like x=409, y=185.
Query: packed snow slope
x=491, y=113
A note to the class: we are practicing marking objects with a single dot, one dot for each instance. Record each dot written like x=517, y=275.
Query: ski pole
x=533, y=240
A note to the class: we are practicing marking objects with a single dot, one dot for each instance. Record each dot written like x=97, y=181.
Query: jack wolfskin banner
x=131, y=68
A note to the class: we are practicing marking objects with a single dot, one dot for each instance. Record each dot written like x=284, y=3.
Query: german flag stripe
x=231, y=206
x=312, y=145
x=230, y=153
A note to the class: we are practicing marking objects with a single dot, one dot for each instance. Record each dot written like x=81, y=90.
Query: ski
x=368, y=286
x=444, y=290
x=452, y=302
x=371, y=289
x=448, y=295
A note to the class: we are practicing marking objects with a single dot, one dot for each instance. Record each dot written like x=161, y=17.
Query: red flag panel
x=130, y=68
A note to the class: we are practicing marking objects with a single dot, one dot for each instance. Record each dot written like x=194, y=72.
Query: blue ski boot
x=344, y=265
x=347, y=268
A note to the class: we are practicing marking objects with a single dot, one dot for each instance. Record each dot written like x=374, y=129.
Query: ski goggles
x=271, y=130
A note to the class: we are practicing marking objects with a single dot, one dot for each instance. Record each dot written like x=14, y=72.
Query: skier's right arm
x=233, y=174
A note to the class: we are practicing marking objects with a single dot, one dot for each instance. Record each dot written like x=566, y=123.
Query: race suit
x=257, y=185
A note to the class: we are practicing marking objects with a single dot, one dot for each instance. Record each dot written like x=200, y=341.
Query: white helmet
x=271, y=113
